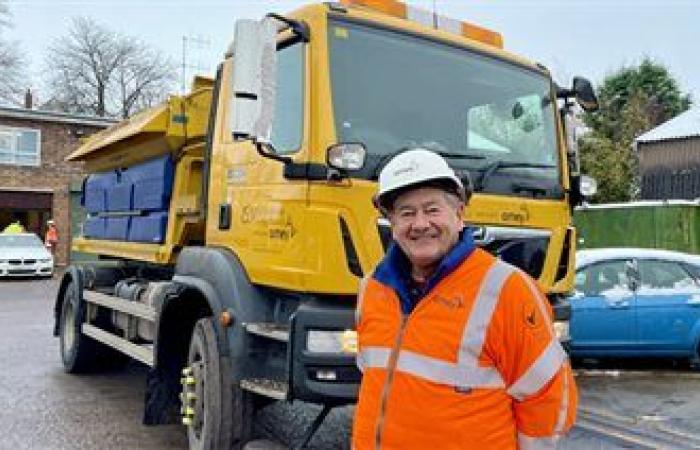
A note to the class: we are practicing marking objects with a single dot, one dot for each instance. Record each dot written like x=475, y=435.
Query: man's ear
x=460, y=212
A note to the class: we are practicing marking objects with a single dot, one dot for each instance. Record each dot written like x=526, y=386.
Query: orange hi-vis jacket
x=51, y=235
x=476, y=365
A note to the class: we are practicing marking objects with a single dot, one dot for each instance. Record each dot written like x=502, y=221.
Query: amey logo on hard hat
x=411, y=167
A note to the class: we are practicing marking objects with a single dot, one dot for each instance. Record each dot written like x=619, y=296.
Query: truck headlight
x=561, y=330
x=318, y=341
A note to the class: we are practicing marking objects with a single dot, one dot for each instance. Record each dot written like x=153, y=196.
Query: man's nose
x=421, y=221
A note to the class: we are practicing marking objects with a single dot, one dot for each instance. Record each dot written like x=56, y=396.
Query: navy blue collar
x=394, y=270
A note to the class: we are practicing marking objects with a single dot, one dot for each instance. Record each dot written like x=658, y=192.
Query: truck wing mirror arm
x=299, y=28
x=266, y=150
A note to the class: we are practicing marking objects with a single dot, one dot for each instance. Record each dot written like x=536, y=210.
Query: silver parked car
x=24, y=255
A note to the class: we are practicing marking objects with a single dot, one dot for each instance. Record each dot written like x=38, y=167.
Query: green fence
x=670, y=225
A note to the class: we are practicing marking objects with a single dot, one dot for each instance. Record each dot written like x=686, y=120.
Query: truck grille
x=525, y=248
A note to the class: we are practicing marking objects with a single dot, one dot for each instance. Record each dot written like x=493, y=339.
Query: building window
x=20, y=146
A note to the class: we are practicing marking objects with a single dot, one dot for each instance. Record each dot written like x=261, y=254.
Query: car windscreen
x=491, y=118
x=17, y=241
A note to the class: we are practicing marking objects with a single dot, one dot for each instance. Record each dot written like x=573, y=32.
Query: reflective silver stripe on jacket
x=443, y=372
x=474, y=333
x=526, y=442
x=431, y=369
x=564, y=407
x=539, y=373
x=360, y=298
x=373, y=357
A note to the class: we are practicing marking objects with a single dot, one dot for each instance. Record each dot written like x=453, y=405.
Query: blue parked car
x=636, y=303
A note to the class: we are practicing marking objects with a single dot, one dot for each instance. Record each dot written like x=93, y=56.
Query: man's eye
x=433, y=211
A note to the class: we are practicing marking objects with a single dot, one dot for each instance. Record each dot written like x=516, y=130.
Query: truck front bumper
x=322, y=375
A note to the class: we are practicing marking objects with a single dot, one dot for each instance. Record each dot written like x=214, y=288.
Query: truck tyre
x=220, y=412
x=78, y=352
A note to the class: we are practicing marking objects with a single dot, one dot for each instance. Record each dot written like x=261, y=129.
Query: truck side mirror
x=588, y=186
x=254, y=50
x=585, y=95
x=582, y=187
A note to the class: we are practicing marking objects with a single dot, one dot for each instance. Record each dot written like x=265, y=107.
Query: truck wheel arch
x=219, y=274
x=207, y=281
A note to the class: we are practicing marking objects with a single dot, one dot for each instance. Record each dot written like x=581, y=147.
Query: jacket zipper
x=393, y=359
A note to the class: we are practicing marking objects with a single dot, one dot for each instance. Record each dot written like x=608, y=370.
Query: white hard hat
x=413, y=167
x=50, y=222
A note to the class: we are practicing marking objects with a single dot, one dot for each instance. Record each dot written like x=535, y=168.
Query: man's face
x=426, y=223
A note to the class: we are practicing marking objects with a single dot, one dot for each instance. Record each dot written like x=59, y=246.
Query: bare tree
x=98, y=71
x=11, y=62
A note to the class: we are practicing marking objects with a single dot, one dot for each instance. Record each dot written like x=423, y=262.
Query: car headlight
x=318, y=341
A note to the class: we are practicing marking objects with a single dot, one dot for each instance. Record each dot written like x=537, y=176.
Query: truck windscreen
x=491, y=118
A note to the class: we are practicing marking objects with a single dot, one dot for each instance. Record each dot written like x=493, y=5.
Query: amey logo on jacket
x=452, y=302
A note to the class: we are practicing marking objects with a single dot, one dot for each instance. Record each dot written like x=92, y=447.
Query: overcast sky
x=572, y=37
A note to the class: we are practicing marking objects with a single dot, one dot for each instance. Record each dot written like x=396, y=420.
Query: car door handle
x=620, y=304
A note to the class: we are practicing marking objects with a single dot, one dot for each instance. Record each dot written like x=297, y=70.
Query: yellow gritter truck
x=233, y=224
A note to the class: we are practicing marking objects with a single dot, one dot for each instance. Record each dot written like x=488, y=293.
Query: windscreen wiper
x=449, y=155
x=497, y=165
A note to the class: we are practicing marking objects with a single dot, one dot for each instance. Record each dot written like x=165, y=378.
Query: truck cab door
x=255, y=208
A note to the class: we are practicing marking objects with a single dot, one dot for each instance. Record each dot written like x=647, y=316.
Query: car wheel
x=217, y=412
x=694, y=361
x=78, y=352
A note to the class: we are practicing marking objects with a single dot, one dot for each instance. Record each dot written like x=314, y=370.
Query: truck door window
x=287, y=125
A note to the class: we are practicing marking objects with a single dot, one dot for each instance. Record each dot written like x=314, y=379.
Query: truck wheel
x=218, y=413
x=78, y=351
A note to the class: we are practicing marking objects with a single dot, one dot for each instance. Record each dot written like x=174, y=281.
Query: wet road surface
x=41, y=407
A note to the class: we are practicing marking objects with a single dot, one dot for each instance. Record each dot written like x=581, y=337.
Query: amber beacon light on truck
x=430, y=19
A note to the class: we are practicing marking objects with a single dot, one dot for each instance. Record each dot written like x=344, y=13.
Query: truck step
x=120, y=304
x=268, y=388
x=143, y=353
x=270, y=330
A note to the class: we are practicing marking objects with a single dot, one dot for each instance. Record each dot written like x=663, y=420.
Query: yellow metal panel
x=150, y=133
x=154, y=253
x=153, y=120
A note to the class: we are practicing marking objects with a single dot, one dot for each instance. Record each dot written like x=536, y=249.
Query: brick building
x=36, y=184
x=669, y=158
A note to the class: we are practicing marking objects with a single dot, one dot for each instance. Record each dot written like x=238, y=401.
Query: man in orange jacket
x=457, y=348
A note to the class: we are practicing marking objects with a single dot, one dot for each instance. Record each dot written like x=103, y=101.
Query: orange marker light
x=424, y=17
